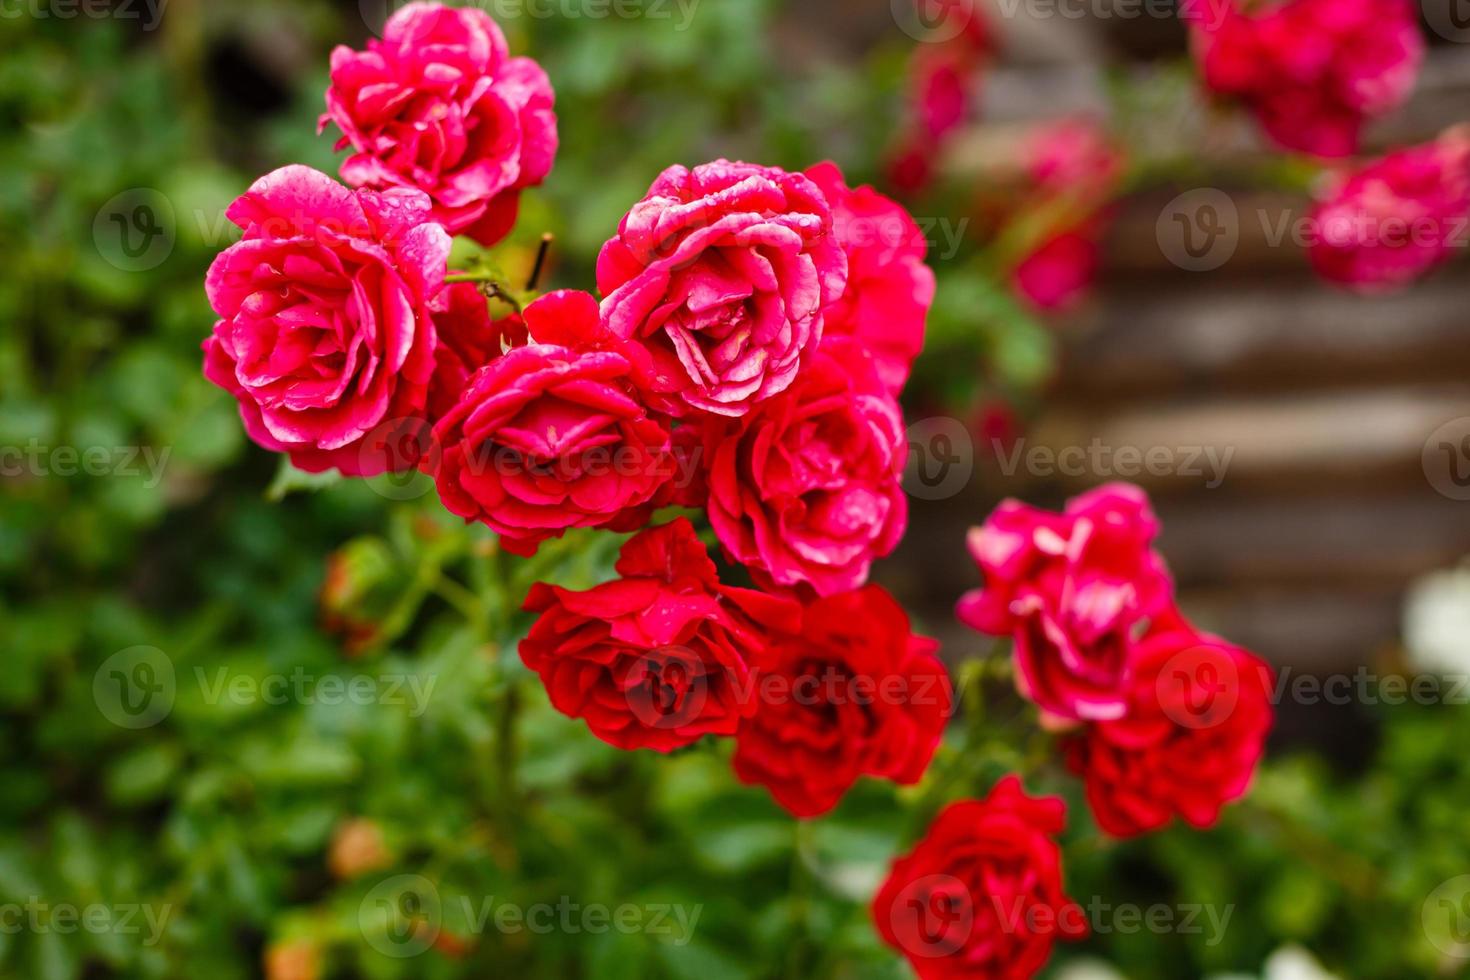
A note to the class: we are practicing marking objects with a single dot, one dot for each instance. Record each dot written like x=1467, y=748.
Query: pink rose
x=439, y=105
x=1072, y=590
x=1386, y=224
x=805, y=489
x=1076, y=157
x=1070, y=160
x=1312, y=71
x=325, y=329
x=1056, y=274
x=722, y=272
x=552, y=435
x=889, y=288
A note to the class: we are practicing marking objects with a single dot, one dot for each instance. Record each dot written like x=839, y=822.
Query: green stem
x=800, y=901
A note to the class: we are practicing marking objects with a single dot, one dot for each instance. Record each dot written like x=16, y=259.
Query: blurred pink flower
x=1312, y=71
x=439, y=104
x=1380, y=227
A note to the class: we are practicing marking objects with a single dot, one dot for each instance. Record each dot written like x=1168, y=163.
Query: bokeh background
x=141, y=536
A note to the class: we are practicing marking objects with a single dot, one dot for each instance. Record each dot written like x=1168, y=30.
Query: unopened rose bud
x=299, y=959
x=357, y=848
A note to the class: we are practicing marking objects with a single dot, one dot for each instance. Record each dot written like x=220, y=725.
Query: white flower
x=1437, y=622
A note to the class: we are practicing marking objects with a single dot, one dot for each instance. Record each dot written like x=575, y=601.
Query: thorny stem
x=541, y=252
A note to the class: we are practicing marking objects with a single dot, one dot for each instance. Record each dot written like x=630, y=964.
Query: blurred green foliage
x=224, y=818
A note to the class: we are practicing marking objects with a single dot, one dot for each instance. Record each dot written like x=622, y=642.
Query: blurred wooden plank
x=1155, y=343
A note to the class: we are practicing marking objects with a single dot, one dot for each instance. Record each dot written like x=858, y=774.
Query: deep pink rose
x=1076, y=157
x=1073, y=590
x=855, y=693
x=552, y=435
x=662, y=655
x=1071, y=160
x=1386, y=224
x=1199, y=711
x=805, y=489
x=438, y=104
x=325, y=330
x=1057, y=274
x=889, y=288
x=722, y=272
x=1312, y=71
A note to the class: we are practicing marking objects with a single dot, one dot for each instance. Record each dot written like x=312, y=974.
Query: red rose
x=1198, y=714
x=1313, y=71
x=659, y=657
x=981, y=895
x=722, y=272
x=325, y=336
x=1073, y=590
x=805, y=489
x=855, y=693
x=438, y=104
x=552, y=435
x=889, y=288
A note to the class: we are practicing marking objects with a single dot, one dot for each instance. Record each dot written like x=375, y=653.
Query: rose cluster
x=1312, y=71
x=1161, y=718
x=754, y=330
